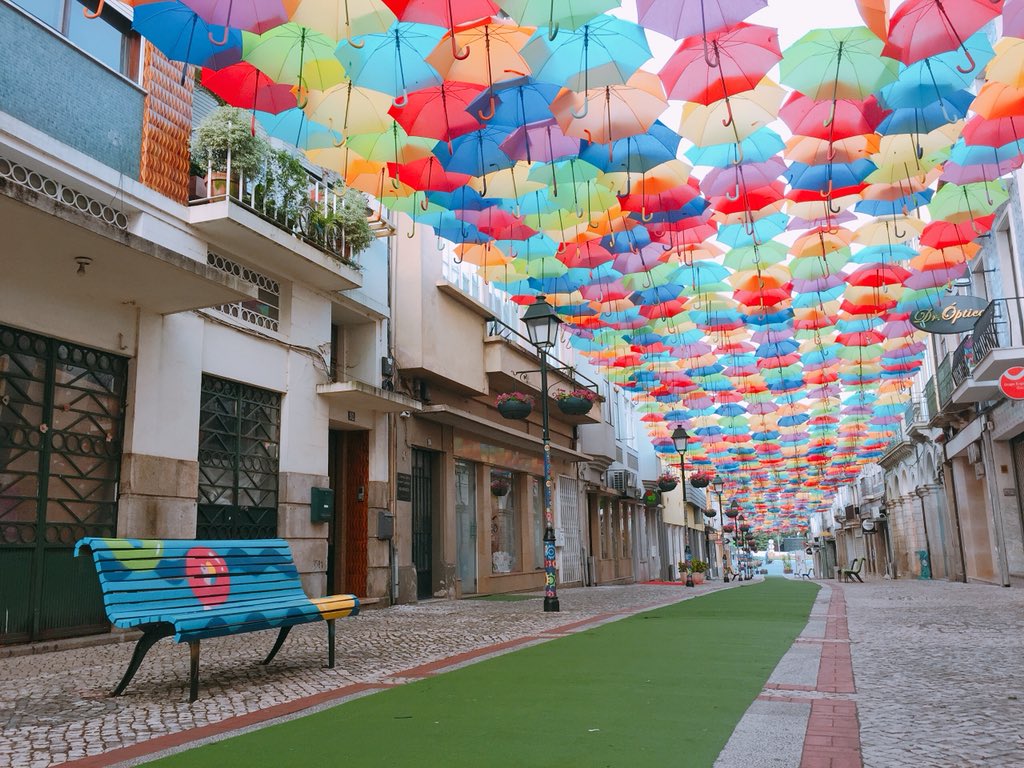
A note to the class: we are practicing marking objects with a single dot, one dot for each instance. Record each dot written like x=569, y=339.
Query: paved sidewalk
x=54, y=707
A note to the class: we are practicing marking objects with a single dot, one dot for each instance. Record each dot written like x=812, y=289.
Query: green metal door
x=61, y=430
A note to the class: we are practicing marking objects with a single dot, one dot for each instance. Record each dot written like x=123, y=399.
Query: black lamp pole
x=680, y=438
x=718, y=485
x=542, y=326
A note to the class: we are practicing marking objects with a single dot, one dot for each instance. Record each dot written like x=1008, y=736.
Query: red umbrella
x=667, y=200
x=443, y=13
x=498, y=223
x=979, y=131
x=750, y=199
x=853, y=117
x=740, y=58
x=877, y=275
x=428, y=174
x=585, y=255
x=944, y=234
x=923, y=28
x=439, y=112
x=242, y=85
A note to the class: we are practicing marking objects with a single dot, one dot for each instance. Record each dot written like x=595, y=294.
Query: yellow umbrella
x=613, y=112
x=660, y=178
x=1008, y=64
x=511, y=182
x=904, y=148
x=349, y=109
x=345, y=19
x=891, y=230
x=732, y=119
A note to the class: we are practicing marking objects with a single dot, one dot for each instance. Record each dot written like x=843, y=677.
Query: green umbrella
x=830, y=64
x=291, y=53
x=814, y=267
x=553, y=14
x=753, y=256
x=955, y=203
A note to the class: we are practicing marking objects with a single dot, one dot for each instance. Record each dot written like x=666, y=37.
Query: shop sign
x=652, y=498
x=1011, y=383
x=954, y=314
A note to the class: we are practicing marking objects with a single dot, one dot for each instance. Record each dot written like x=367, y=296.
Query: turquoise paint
x=51, y=85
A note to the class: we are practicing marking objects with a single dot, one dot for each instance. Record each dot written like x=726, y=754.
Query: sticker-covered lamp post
x=680, y=439
x=542, y=323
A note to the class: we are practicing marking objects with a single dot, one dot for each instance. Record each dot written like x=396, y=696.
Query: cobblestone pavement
x=939, y=669
x=54, y=706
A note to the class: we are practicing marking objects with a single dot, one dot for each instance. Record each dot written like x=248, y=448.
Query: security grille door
x=422, y=523
x=61, y=430
x=239, y=437
x=571, y=554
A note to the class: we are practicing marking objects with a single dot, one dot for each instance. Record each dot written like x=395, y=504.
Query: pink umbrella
x=923, y=28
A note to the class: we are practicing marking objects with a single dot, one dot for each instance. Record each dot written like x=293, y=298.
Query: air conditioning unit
x=852, y=512
x=625, y=482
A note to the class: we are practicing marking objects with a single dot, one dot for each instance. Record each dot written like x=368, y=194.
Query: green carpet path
x=661, y=688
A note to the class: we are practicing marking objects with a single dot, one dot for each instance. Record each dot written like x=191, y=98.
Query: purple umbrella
x=726, y=181
x=933, y=278
x=896, y=328
x=683, y=18
x=803, y=224
x=969, y=174
x=817, y=285
x=1013, y=18
x=543, y=142
x=251, y=15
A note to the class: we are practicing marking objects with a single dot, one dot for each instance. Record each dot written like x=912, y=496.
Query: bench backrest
x=146, y=581
x=857, y=563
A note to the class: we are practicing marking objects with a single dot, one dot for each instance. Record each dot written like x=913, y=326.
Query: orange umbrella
x=604, y=115
x=820, y=241
x=997, y=99
x=813, y=151
x=946, y=258
x=487, y=50
x=876, y=16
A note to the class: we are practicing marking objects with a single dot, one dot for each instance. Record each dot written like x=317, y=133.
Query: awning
x=359, y=396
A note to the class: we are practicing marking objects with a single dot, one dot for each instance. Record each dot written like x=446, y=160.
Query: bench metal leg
x=857, y=575
x=149, y=637
x=330, y=643
x=193, y=670
x=277, y=644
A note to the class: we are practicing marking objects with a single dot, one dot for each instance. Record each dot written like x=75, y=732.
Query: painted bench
x=849, y=574
x=193, y=590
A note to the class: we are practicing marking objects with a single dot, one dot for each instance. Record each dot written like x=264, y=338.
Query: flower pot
x=698, y=578
x=667, y=485
x=500, y=489
x=515, y=409
x=221, y=185
x=700, y=482
x=709, y=513
x=196, y=187
x=574, y=406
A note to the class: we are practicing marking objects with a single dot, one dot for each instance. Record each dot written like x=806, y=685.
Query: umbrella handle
x=223, y=40
x=833, y=210
x=456, y=259
x=970, y=60
x=350, y=41
x=896, y=233
x=401, y=101
x=583, y=113
x=827, y=192
x=457, y=53
x=424, y=203
x=490, y=107
x=553, y=31
x=645, y=217
x=330, y=126
x=832, y=151
x=728, y=120
x=739, y=154
x=440, y=245
x=579, y=212
x=707, y=58
x=93, y=14
x=561, y=247
x=734, y=195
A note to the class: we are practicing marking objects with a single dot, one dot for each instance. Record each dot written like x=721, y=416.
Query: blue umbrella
x=635, y=154
x=182, y=35
x=926, y=81
x=929, y=117
x=519, y=101
x=820, y=177
x=884, y=254
x=736, y=235
x=462, y=199
x=476, y=153
x=294, y=127
x=894, y=207
x=758, y=147
x=393, y=62
x=962, y=154
x=604, y=51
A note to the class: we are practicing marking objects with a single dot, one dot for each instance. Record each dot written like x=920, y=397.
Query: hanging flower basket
x=500, y=486
x=514, y=405
x=577, y=402
x=728, y=528
x=701, y=480
x=667, y=482
x=709, y=513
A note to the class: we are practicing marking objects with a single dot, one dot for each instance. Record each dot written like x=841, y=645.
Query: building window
x=108, y=38
x=263, y=311
x=239, y=440
x=505, y=539
x=625, y=531
x=602, y=525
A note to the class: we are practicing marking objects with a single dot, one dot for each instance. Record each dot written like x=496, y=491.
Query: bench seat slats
x=107, y=564
x=193, y=617
x=269, y=583
x=176, y=570
x=185, y=603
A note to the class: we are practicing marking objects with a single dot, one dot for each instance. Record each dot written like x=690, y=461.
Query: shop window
x=108, y=38
x=505, y=537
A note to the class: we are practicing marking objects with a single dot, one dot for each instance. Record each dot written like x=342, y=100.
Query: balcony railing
x=1001, y=325
x=944, y=381
x=962, y=361
x=308, y=214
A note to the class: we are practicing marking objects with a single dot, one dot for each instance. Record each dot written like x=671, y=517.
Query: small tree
x=228, y=128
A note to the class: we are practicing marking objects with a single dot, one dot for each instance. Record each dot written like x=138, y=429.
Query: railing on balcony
x=309, y=213
x=962, y=361
x=1001, y=325
x=931, y=400
x=944, y=380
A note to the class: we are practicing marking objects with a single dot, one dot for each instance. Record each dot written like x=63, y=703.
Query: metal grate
x=239, y=440
x=66, y=195
x=264, y=311
x=61, y=427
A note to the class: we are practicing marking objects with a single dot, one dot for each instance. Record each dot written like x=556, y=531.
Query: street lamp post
x=733, y=513
x=542, y=326
x=680, y=439
x=718, y=485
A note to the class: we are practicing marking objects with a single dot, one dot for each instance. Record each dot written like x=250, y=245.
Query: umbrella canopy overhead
x=751, y=288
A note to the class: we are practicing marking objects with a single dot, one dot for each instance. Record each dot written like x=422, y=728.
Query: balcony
x=299, y=242
x=999, y=339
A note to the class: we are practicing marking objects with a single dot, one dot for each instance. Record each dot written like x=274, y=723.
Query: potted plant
x=343, y=230
x=701, y=479
x=667, y=481
x=283, y=192
x=500, y=486
x=228, y=131
x=697, y=569
x=514, y=405
x=575, y=402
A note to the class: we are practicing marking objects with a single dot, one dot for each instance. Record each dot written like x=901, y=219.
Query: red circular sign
x=1011, y=383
